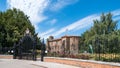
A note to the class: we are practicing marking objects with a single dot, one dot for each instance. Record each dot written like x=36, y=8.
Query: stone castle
x=65, y=44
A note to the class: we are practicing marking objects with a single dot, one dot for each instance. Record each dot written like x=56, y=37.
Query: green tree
x=13, y=24
x=104, y=34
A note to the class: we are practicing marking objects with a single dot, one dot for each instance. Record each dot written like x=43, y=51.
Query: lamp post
x=34, y=49
x=42, y=50
x=14, y=51
x=98, y=45
x=99, y=48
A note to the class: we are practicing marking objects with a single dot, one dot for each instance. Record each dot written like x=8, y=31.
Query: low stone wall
x=6, y=56
x=83, y=63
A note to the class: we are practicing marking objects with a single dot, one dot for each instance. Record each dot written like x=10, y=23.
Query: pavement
x=15, y=63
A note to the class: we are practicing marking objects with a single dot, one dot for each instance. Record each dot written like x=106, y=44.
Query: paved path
x=15, y=63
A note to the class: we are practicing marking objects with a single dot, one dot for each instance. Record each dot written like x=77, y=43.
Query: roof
x=56, y=39
x=64, y=37
x=70, y=36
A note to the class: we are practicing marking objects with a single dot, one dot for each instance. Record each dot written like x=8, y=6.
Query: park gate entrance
x=26, y=47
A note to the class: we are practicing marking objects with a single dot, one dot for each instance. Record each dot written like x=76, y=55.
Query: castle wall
x=66, y=44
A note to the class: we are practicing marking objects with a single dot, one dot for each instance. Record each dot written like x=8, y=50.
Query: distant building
x=65, y=44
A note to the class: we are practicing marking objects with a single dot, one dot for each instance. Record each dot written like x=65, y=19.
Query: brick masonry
x=6, y=56
x=83, y=63
x=65, y=44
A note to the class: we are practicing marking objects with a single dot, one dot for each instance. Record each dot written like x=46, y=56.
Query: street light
x=98, y=45
x=42, y=50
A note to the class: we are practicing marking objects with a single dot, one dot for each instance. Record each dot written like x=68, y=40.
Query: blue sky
x=61, y=17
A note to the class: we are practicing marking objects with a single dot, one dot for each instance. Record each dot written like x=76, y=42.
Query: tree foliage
x=13, y=24
x=103, y=36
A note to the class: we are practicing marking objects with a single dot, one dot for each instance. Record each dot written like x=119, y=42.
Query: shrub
x=84, y=56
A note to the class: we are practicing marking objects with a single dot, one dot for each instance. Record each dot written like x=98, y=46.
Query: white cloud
x=85, y=22
x=116, y=12
x=33, y=8
x=117, y=18
x=116, y=15
x=52, y=22
x=59, y=4
x=82, y=23
x=46, y=34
